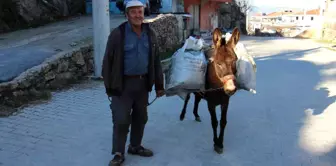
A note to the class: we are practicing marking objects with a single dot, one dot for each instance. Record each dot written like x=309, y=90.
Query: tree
x=243, y=5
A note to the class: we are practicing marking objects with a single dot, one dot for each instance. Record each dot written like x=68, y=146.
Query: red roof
x=275, y=14
x=314, y=12
x=309, y=12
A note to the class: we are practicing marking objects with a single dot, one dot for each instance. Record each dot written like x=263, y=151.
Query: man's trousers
x=129, y=109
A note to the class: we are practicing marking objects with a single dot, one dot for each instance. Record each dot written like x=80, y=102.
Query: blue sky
x=271, y=5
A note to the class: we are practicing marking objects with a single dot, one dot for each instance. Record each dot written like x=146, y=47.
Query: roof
x=309, y=12
x=274, y=14
x=281, y=13
x=257, y=14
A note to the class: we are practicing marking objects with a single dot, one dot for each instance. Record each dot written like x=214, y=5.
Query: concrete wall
x=329, y=24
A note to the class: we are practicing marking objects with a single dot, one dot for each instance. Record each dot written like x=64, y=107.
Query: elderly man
x=131, y=66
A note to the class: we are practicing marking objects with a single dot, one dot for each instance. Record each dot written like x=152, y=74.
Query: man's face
x=135, y=15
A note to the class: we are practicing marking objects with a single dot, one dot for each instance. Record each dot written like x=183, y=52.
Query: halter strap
x=227, y=78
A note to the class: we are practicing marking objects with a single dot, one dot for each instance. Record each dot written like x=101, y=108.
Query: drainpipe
x=101, y=31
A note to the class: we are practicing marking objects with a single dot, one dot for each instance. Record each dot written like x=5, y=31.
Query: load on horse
x=225, y=73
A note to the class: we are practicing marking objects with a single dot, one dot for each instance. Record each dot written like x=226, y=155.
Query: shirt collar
x=128, y=25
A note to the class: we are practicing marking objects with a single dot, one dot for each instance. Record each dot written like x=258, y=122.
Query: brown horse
x=220, y=84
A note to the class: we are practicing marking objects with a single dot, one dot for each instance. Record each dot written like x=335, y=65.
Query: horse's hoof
x=198, y=119
x=181, y=117
x=218, y=149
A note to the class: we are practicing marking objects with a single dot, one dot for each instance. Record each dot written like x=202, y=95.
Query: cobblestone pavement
x=289, y=122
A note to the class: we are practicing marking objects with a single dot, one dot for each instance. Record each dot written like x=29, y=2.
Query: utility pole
x=101, y=31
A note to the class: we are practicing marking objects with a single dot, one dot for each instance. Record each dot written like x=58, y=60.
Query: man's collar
x=143, y=29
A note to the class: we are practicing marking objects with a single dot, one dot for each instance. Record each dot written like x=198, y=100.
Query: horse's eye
x=234, y=67
x=234, y=64
x=220, y=65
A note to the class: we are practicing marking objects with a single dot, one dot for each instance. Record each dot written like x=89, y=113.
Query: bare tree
x=243, y=5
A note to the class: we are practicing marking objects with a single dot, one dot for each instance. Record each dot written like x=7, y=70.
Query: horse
x=220, y=84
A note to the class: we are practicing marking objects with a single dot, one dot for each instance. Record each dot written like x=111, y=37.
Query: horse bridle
x=227, y=78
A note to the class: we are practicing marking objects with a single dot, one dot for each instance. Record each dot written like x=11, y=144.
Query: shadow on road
x=262, y=129
x=246, y=38
x=265, y=128
x=295, y=81
x=329, y=155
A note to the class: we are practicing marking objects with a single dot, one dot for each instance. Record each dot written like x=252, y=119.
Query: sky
x=271, y=5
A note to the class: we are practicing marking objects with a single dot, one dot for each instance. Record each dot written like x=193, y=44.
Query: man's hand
x=160, y=93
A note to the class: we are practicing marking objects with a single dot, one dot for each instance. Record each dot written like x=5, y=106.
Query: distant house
x=309, y=17
x=306, y=18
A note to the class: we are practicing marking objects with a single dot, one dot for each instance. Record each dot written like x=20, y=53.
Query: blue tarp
x=113, y=7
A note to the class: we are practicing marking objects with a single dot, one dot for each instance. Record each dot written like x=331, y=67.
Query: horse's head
x=223, y=67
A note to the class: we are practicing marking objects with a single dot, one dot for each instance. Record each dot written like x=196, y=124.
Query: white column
x=321, y=20
x=247, y=22
x=101, y=31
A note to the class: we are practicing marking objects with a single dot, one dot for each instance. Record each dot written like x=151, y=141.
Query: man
x=131, y=66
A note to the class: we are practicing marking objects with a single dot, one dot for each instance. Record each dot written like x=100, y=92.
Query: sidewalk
x=75, y=129
x=21, y=50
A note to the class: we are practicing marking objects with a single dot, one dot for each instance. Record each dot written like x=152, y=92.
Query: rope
x=202, y=91
x=152, y=101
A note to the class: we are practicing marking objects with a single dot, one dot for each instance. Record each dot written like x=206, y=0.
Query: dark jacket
x=113, y=62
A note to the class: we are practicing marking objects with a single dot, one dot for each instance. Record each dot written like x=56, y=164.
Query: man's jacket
x=113, y=62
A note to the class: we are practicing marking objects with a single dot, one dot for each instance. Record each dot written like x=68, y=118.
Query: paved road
x=289, y=122
x=24, y=49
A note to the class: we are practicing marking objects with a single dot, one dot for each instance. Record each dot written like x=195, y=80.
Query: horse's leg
x=214, y=123
x=196, y=103
x=184, y=107
x=224, y=109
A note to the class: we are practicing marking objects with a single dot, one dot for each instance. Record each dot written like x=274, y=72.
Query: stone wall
x=329, y=35
x=54, y=73
x=70, y=67
x=329, y=29
x=17, y=14
x=167, y=30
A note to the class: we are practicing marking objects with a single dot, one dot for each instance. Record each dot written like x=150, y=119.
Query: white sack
x=188, y=68
x=246, y=69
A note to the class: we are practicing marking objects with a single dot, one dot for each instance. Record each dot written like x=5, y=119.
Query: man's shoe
x=117, y=160
x=141, y=151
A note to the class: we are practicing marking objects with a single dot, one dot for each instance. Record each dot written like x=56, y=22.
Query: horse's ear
x=217, y=37
x=234, y=38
